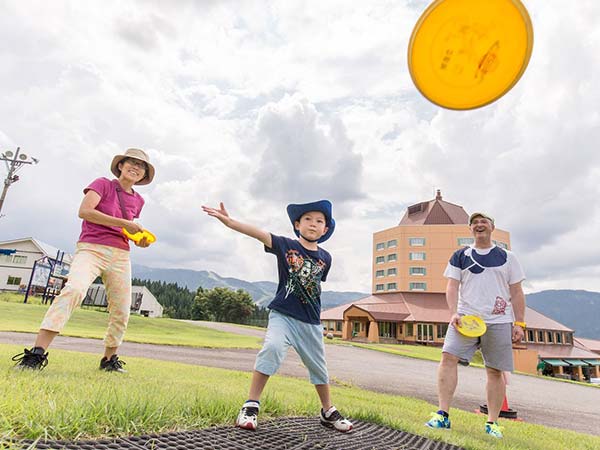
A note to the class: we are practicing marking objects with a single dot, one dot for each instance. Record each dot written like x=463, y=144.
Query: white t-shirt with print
x=485, y=276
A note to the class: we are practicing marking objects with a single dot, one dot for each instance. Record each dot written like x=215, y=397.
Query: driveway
x=541, y=401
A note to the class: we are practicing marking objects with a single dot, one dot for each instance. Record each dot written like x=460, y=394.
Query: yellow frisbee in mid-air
x=137, y=237
x=464, y=54
x=471, y=326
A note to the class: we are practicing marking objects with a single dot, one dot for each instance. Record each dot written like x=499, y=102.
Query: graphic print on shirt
x=467, y=259
x=304, y=277
x=499, y=306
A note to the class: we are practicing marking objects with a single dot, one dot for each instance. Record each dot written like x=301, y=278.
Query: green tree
x=177, y=301
x=223, y=305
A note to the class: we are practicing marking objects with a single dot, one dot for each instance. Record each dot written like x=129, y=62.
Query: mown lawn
x=411, y=351
x=76, y=400
x=92, y=324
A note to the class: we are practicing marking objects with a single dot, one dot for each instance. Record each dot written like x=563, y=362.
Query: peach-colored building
x=408, y=304
x=412, y=256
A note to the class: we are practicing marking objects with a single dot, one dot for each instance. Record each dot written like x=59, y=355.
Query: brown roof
x=337, y=313
x=535, y=319
x=587, y=344
x=425, y=307
x=561, y=351
x=393, y=311
x=435, y=212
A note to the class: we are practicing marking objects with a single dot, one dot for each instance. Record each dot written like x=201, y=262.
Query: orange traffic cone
x=505, y=411
x=505, y=405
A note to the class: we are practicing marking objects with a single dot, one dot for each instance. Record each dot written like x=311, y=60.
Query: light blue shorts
x=307, y=339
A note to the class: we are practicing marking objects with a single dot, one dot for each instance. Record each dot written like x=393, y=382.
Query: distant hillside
x=262, y=292
x=579, y=310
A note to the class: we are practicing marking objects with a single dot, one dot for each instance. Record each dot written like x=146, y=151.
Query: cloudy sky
x=263, y=103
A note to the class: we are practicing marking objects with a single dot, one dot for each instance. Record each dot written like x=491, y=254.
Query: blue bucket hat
x=324, y=206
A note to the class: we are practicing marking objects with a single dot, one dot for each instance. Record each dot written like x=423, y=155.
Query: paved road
x=546, y=402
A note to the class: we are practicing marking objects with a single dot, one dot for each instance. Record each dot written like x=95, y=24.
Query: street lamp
x=13, y=161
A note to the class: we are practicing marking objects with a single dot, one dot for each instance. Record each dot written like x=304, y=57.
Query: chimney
x=438, y=195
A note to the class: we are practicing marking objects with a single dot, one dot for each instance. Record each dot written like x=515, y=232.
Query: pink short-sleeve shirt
x=94, y=233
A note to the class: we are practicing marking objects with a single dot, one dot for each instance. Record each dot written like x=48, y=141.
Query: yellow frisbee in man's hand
x=464, y=54
x=137, y=237
x=471, y=326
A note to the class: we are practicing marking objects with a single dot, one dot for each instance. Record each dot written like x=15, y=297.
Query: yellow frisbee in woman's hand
x=137, y=237
x=464, y=54
x=471, y=326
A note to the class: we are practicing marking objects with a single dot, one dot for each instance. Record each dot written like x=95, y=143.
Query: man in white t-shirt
x=483, y=280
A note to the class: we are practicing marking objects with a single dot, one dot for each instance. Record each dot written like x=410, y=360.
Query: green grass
x=429, y=353
x=18, y=298
x=92, y=324
x=72, y=399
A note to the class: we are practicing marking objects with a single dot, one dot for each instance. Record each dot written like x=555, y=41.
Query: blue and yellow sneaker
x=438, y=421
x=493, y=429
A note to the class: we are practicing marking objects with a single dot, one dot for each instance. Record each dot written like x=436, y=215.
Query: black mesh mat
x=295, y=433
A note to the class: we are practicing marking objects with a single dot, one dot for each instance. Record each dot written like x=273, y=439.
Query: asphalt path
x=542, y=401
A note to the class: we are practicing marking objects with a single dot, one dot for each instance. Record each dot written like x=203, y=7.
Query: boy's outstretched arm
x=249, y=230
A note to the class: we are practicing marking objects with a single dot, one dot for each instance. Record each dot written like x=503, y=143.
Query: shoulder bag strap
x=123, y=213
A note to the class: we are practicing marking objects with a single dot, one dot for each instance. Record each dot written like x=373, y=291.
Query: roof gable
x=435, y=212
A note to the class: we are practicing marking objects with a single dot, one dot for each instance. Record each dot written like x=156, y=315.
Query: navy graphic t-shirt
x=300, y=274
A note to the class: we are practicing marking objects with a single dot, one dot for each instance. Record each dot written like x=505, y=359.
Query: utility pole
x=13, y=161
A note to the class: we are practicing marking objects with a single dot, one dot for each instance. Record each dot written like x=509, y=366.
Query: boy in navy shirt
x=294, y=319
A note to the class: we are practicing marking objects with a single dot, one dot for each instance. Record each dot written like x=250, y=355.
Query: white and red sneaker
x=247, y=418
x=333, y=419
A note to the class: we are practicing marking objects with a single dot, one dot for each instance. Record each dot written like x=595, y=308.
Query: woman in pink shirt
x=102, y=250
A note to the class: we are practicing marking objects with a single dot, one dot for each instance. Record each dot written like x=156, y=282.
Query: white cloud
x=262, y=103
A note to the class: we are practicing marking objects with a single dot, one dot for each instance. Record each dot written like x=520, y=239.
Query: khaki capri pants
x=91, y=261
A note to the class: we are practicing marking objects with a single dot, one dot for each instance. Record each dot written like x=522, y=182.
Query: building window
x=417, y=286
x=13, y=281
x=327, y=325
x=391, y=286
x=6, y=258
x=399, y=327
x=338, y=325
x=424, y=332
x=442, y=329
x=380, y=246
x=409, y=329
x=392, y=243
x=20, y=259
x=379, y=287
x=464, y=242
x=558, y=337
x=550, y=337
x=380, y=273
x=392, y=257
x=392, y=272
x=568, y=338
x=530, y=336
x=540, y=336
x=380, y=260
x=421, y=271
x=416, y=256
x=416, y=242
x=387, y=329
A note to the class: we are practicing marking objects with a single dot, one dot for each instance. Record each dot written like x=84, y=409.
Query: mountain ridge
x=262, y=292
x=556, y=303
